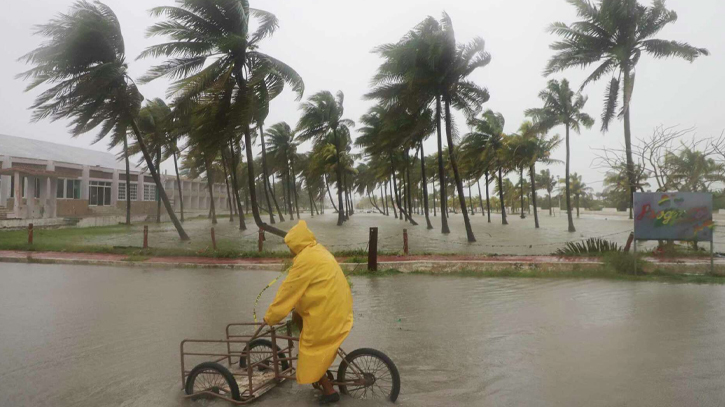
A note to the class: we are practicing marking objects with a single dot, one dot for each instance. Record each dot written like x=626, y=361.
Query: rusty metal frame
x=251, y=392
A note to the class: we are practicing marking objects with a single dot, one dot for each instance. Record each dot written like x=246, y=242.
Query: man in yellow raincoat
x=318, y=291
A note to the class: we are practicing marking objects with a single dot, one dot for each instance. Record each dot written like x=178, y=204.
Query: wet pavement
x=99, y=336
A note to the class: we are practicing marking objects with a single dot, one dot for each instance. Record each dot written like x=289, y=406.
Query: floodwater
x=519, y=237
x=96, y=336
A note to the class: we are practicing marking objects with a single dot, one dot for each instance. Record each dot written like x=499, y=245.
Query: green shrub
x=622, y=263
x=590, y=246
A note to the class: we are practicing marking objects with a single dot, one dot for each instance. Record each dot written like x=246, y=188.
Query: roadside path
x=432, y=262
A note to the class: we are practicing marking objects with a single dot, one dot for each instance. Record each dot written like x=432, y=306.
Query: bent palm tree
x=84, y=64
x=562, y=107
x=616, y=33
x=322, y=117
x=211, y=45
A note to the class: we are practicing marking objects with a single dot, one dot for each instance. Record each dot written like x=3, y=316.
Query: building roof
x=19, y=147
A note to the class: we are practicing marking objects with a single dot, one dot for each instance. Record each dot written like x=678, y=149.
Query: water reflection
x=89, y=336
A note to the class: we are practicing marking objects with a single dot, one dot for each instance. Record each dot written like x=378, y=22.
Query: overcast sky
x=329, y=42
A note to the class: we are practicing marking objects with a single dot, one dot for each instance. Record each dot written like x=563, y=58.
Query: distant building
x=41, y=180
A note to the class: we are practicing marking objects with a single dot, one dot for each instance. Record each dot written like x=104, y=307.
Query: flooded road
x=94, y=336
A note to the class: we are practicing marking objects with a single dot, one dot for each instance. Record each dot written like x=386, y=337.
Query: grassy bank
x=599, y=273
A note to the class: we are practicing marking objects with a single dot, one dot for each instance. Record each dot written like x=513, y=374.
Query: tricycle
x=243, y=367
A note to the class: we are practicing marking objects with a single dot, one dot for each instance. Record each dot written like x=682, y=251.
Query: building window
x=12, y=186
x=99, y=193
x=37, y=188
x=149, y=192
x=68, y=189
x=122, y=191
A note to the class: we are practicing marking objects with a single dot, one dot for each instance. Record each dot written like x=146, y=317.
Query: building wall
x=76, y=208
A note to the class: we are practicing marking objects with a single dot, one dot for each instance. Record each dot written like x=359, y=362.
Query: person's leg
x=327, y=388
x=329, y=395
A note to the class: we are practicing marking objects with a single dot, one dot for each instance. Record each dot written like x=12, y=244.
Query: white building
x=40, y=180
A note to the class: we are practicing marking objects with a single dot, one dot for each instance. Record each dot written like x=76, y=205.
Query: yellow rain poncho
x=318, y=291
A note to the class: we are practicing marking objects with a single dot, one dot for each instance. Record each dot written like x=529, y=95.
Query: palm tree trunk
x=628, y=136
x=389, y=185
x=210, y=185
x=289, y=194
x=327, y=185
x=340, y=212
x=532, y=173
x=128, y=181
x=500, y=197
x=568, y=196
x=403, y=213
x=294, y=186
x=550, y=209
x=235, y=184
x=470, y=199
x=408, y=188
x=480, y=197
x=456, y=174
x=441, y=170
x=345, y=195
x=229, y=195
x=577, y=206
x=157, y=180
x=158, y=197
x=434, y=198
x=265, y=173
x=488, y=201
x=178, y=184
x=274, y=197
x=384, y=201
x=424, y=181
x=312, y=201
x=521, y=178
x=252, y=192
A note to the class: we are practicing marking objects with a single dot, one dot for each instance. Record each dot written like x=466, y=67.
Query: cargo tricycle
x=243, y=367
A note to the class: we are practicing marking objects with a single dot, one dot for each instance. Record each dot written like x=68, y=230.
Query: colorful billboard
x=673, y=216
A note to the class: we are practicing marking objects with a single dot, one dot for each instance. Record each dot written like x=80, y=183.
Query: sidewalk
x=402, y=263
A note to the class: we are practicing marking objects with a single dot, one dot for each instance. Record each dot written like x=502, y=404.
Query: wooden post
x=260, y=243
x=373, y=250
x=629, y=242
x=213, y=239
x=30, y=233
x=145, y=237
x=405, y=241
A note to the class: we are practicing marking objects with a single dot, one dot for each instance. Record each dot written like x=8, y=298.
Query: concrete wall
x=73, y=208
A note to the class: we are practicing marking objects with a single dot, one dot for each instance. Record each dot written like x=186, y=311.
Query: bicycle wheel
x=212, y=377
x=381, y=377
x=263, y=353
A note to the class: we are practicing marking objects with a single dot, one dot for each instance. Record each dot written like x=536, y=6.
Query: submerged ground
x=519, y=237
x=87, y=336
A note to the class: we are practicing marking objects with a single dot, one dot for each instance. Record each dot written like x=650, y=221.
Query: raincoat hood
x=300, y=238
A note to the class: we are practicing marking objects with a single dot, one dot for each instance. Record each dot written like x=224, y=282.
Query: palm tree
x=616, y=33
x=546, y=181
x=283, y=151
x=535, y=147
x=212, y=47
x=322, y=117
x=562, y=107
x=578, y=189
x=487, y=142
x=693, y=171
x=83, y=61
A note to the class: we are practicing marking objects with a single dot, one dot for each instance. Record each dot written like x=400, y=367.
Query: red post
x=213, y=239
x=405, y=241
x=260, y=243
x=30, y=233
x=146, y=237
